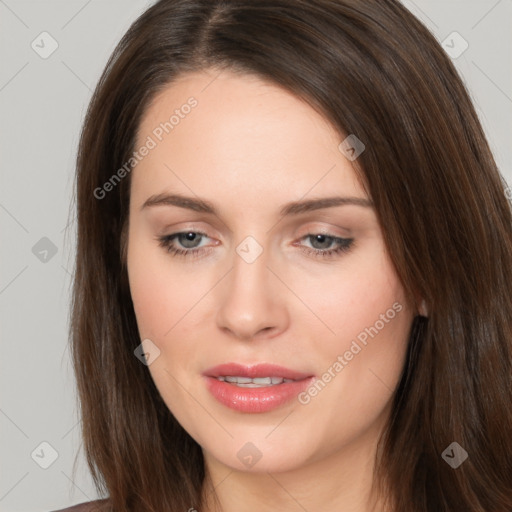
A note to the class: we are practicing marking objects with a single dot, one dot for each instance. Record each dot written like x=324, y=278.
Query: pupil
x=323, y=240
x=189, y=238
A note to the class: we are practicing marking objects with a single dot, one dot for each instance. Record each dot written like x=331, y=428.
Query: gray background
x=43, y=101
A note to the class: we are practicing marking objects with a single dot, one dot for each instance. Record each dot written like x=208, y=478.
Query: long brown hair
x=373, y=70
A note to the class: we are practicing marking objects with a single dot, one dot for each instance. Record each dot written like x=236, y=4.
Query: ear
x=422, y=308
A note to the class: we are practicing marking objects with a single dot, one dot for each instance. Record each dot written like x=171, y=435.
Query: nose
x=252, y=301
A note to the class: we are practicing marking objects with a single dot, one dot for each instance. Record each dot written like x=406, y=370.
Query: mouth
x=255, y=389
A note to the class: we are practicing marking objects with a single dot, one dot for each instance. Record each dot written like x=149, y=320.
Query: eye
x=188, y=239
x=189, y=244
x=323, y=241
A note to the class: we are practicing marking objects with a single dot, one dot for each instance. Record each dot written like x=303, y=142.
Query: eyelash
x=345, y=244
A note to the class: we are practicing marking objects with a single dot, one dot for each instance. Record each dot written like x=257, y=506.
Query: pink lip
x=255, y=400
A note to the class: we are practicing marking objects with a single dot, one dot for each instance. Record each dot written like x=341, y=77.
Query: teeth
x=257, y=382
x=264, y=381
x=238, y=380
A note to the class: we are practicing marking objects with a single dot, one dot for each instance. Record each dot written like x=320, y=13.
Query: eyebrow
x=293, y=208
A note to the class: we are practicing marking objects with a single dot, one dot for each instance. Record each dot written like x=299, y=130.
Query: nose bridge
x=250, y=272
x=251, y=302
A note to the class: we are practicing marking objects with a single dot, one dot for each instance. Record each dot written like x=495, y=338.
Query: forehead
x=241, y=135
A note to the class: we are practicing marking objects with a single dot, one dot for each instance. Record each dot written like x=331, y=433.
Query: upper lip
x=254, y=371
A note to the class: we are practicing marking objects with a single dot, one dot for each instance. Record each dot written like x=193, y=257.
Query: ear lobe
x=422, y=309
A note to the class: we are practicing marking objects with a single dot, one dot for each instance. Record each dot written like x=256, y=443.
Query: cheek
x=362, y=359
x=362, y=345
x=161, y=301
x=164, y=301
x=361, y=294
x=150, y=301
x=161, y=296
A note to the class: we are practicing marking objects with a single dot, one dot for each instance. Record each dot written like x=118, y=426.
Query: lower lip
x=255, y=400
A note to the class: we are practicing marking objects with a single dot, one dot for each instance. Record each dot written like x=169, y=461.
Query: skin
x=249, y=148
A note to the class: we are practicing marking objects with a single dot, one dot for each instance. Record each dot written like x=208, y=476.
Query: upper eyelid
x=294, y=225
x=322, y=230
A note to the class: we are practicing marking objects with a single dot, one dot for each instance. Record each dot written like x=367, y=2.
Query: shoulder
x=88, y=506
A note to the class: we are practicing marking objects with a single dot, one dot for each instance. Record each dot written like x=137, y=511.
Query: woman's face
x=266, y=277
